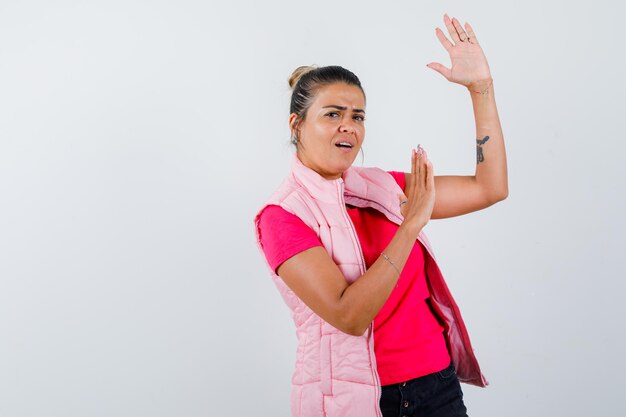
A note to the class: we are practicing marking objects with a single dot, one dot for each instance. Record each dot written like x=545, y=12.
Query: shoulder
x=282, y=235
x=273, y=214
x=287, y=187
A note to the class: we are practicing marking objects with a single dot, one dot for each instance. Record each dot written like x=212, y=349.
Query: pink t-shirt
x=408, y=339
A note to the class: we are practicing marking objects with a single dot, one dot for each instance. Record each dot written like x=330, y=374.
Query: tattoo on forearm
x=479, y=150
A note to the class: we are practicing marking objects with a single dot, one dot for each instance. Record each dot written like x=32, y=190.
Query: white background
x=139, y=138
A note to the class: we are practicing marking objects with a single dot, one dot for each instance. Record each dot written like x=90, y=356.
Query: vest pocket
x=325, y=365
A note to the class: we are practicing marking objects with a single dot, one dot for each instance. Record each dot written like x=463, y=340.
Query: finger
x=408, y=187
x=430, y=180
x=424, y=177
x=418, y=171
x=446, y=72
x=442, y=38
x=459, y=29
x=470, y=33
x=408, y=184
x=451, y=30
x=424, y=157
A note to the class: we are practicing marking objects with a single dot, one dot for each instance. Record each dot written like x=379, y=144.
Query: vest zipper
x=349, y=222
x=363, y=269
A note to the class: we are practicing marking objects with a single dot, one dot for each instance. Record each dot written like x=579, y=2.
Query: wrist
x=412, y=227
x=480, y=87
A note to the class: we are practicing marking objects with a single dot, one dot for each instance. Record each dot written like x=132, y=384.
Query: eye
x=330, y=114
x=359, y=118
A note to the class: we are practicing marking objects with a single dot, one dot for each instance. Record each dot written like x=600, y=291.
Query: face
x=333, y=130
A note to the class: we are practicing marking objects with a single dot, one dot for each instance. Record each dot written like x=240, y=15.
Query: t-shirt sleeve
x=399, y=177
x=283, y=235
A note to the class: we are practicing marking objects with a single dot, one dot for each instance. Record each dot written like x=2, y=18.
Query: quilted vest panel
x=335, y=373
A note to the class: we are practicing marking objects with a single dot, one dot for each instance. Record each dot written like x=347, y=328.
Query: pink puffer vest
x=335, y=373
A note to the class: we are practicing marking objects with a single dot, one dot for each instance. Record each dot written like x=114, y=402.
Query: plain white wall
x=138, y=139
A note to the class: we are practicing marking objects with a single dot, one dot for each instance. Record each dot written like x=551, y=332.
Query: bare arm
x=457, y=195
x=317, y=281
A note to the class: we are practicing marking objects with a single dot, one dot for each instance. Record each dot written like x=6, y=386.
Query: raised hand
x=469, y=64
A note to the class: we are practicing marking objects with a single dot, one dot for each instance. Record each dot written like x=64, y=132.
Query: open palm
x=469, y=64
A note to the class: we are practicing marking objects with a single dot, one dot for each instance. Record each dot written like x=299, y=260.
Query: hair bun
x=298, y=73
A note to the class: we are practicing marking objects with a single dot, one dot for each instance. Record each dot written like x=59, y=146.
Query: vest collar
x=362, y=187
x=317, y=186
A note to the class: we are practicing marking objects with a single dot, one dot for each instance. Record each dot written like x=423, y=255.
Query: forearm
x=363, y=299
x=491, y=169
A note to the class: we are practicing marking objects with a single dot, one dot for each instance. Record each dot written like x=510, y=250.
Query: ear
x=293, y=121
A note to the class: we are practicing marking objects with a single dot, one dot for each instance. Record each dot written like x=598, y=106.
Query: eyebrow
x=343, y=108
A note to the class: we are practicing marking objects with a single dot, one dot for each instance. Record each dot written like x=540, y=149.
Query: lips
x=345, y=144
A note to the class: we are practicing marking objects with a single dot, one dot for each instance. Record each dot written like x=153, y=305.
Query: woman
x=378, y=331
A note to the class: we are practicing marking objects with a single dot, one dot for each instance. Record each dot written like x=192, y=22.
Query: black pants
x=434, y=395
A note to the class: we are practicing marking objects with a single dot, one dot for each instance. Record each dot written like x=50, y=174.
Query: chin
x=342, y=168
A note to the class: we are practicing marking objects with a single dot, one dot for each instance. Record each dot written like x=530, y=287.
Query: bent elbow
x=352, y=324
x=503, y=194
x=356, y=330
x=347, y=327
x=498, y=196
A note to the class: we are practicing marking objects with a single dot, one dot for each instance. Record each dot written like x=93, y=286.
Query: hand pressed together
x=419, y=199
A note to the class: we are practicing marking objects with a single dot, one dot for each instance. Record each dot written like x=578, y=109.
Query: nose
x=348, y=125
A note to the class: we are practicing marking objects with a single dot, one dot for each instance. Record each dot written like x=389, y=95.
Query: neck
x=321, y=173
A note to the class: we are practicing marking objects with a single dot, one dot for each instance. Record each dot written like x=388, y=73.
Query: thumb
x=440, y=69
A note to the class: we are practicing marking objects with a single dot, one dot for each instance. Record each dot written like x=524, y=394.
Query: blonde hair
x=298, y=73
